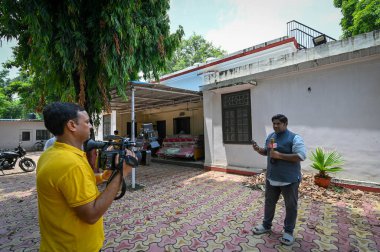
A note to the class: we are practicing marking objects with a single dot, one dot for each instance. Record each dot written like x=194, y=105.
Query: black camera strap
x=123, y=184
x=119, y=169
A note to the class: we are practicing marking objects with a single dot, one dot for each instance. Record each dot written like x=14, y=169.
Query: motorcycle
x=8, y=160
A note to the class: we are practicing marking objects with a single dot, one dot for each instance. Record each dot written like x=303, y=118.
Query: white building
x=330, y=94
x=26, y=131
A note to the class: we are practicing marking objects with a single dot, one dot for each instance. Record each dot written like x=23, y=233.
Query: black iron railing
x=304, y=34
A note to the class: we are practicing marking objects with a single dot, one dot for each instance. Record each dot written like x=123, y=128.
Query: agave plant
x=325, y=161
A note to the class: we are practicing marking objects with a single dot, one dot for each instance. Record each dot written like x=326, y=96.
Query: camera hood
x=92, y=144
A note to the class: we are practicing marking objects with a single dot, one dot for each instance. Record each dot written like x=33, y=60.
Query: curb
x=357, y=185
x=244, y=172
x=346, y=183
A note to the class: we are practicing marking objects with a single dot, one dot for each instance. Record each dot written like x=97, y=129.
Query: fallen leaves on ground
x=309, y=190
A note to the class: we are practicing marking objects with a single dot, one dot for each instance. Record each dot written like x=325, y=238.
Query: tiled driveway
x=188, y=209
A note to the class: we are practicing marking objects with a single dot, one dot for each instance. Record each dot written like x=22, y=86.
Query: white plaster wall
x=193, y=80
x=249, y=64
x=99, y=130
x=283, y=56
x=113, y=122
x=341, y=112
x=208, y=105
x=10, y=133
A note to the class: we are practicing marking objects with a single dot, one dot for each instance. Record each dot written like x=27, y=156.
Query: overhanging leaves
x=81, y=50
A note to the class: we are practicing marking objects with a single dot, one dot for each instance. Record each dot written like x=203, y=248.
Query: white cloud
x=252, y=22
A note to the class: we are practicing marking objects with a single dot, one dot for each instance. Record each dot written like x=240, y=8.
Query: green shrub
x=326, y=162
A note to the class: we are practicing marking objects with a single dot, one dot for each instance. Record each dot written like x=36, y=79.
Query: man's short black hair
x=57, y=114
x=115, y=132
x=281, y=118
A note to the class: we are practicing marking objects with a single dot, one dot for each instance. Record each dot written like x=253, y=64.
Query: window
x=25, y=136
x=106, y=125
x=42, y=135
x=181, y=125
x=236, y=116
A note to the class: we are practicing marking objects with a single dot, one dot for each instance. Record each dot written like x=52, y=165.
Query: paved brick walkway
x=188, y=209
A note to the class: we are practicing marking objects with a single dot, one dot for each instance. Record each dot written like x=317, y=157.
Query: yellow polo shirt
x=66, y=180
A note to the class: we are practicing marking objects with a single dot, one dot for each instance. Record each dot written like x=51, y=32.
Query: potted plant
x=325, y=162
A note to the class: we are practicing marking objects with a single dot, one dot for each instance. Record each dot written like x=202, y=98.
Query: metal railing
x=304, y=34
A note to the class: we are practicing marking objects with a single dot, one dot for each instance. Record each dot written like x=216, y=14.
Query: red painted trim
x=232, y=171
x=358, y=187
x=292, y=39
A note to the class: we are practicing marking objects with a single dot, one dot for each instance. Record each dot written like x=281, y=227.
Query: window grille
x=236, y=117
x=42, y=135
x=25, y=136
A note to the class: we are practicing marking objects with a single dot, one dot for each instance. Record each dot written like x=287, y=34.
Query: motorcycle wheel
x=27, y=165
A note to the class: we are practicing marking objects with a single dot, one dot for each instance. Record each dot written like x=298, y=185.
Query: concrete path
x=189, y=209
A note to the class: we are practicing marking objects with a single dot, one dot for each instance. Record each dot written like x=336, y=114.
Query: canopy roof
x=150, y=96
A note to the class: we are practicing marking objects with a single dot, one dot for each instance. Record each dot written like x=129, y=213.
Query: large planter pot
x=322, y=181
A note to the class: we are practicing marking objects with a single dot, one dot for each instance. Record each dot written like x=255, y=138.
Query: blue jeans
x=290, y=194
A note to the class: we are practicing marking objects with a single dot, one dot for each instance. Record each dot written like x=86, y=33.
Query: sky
x=234, y=25
x=238, y=24
x=6, y=54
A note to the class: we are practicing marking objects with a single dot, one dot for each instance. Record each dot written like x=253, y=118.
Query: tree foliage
x=82, y=50
x=14, y=96
x=359, y=16
x=193, y=50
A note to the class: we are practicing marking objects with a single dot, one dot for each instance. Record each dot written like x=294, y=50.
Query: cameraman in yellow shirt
x=70, y=207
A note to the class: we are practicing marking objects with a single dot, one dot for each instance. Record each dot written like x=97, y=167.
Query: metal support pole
x=133, y=138
x=133, y=113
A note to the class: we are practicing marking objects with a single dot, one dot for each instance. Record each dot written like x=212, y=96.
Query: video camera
x=107, y=156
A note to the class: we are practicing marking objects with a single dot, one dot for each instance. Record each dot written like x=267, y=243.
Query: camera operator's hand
x=127, y=169
x=106, y=175
x=103, y=177
x=110, y=148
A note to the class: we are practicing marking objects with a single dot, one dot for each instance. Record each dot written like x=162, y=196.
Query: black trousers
x=290, y=194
